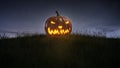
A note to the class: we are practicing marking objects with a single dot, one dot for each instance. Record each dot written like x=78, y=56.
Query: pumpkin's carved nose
x=60, y=27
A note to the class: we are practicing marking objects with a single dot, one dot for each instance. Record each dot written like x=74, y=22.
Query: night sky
x=30, y=15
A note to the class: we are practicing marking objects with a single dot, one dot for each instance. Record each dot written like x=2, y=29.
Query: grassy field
x=73, y=51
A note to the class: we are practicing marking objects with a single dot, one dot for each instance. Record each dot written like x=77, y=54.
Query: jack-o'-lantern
x=58, y=25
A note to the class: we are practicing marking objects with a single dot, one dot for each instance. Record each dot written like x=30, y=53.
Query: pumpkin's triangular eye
x=52, y=22
x=67, y=22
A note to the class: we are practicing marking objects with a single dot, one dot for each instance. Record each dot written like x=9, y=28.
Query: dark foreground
x=72, y=51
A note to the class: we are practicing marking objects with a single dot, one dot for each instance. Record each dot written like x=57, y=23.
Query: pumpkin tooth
x=66, y=30
x=62, y=31
x=50, y=31
x=55, y=31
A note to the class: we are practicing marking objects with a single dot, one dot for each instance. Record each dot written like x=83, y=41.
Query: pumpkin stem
x=57, y=13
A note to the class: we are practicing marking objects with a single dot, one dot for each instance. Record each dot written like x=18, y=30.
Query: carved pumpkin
x=58, y=25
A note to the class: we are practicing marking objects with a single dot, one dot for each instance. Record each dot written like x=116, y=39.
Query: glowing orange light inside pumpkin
x=67, y=22
x=57, y=32
x=60, y=27
x=52, y=22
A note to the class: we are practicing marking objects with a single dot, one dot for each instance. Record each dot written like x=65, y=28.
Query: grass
x=72, y=51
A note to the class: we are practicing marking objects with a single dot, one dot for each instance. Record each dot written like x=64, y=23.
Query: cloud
x=105, y=31
x=113, y=34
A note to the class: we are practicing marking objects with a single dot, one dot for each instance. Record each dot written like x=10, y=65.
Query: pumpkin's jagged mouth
x=57, y=31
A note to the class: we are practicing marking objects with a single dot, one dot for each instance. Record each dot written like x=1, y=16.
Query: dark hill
x=74, y=51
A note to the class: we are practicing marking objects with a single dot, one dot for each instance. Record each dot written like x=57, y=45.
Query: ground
x=72, y=51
